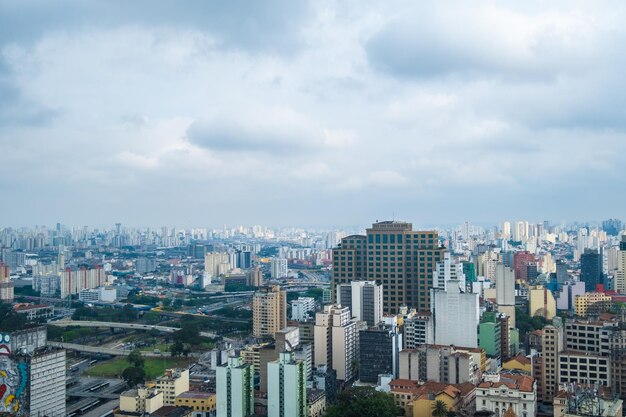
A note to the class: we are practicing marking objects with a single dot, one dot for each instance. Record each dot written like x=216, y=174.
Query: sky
x=200, y=113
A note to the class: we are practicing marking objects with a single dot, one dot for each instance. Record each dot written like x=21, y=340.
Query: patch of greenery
x=364, y=402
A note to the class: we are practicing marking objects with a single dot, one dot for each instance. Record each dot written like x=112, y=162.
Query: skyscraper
x=235, y=389
x=394, y=255
x=505, y=291
x=269, y=311
x=591, y=269
x=620, y=274
x=286, y=396
x=378, y=353
x=278, y=268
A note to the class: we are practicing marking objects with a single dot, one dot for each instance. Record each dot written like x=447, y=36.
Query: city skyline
x=268, y=113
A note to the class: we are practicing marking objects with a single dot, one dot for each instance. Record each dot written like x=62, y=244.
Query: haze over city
x=310, y=113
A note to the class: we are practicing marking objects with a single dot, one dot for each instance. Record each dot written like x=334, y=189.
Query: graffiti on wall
x=13, y=379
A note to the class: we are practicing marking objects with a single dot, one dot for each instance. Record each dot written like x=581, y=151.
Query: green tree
x=440, y=409
x=364, y=402
x=136, y=359
x=177, y=348
x=134, y=376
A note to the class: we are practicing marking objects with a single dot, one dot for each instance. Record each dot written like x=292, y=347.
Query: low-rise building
x=575, y=400
x=140, y=401
x=35, y=312
x=520, y=363
x=202, y=403
x=500, y=392
x=315, y=402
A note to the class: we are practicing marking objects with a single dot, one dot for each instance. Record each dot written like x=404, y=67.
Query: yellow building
x=197, y=400
x=269, y=311
x=315, y=402
x=419, y=400
x=541, y=302
x=173, y=383
x=519, y=362
x=596, y=301
x=456, y=397
x=141, y=400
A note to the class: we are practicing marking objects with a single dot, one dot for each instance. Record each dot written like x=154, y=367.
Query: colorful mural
x=13, y=379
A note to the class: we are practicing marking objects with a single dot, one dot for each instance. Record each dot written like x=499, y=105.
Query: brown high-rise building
x=394, y=255
x=269, y=311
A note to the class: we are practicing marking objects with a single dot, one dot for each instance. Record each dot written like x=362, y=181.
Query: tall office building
x=269, y=311
x=591, y=269
x=394, y=255
x=620, y=274
x=378, y=353
x=505, y=291
x=235, y=389
x=365, y=300
x=551, y=346
x=278, y=268
x=6, y=286
x=335, y=341
x=286, y=396
x=456, y=316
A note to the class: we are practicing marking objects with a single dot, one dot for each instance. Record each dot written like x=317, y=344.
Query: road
x=115, y=325
x=103, y=350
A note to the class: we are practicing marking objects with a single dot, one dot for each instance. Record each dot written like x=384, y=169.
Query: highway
x=115, y=325
x=103, y=350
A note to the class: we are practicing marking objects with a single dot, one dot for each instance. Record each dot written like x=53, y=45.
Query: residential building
x=518, y=363
x=394, y=255
x=591, y=303
x=315, y=402
x=552, y=345
x=620, y=274
x=287, y=393
x=278, y=268
x=541, y=302
x=489, y=335
x=505, y=291
x=419, y=400
x=520, y=262
x=445, y=364
x=302, y=308
x=216, y=263
x=419, y=330
x=455, y=315
x=269, y=311
x=576, y=400
x=499, y=393
x=235, y=389
x=335, y=341
x=365, y=299
x=446, y=270
x=6, y=285
x=141, y=401
x=172, y=383
x=72, y=281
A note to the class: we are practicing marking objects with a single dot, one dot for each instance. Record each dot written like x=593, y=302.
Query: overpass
x=116, y=325
x=102, y=350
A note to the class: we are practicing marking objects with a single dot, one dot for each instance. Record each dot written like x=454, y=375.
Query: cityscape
x=312, y=208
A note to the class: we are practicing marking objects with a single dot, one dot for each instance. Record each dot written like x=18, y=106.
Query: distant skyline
x=311, y=113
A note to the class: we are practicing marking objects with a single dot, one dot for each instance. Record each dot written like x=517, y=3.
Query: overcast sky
x=324, y=113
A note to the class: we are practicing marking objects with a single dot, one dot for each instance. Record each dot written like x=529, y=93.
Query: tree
x=136, y=359
x=440, y=409
x=177, y=348
x=134, y=376
x=364, y=402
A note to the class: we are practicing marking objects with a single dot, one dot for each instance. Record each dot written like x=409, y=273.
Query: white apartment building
x=286, y=394
x=278, y=268
x=302, y=308
x=456, y=316
x=173, y=383
x=100, y=294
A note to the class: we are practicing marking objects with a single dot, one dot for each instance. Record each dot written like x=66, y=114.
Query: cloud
x=367, y=109
x=274, y=130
